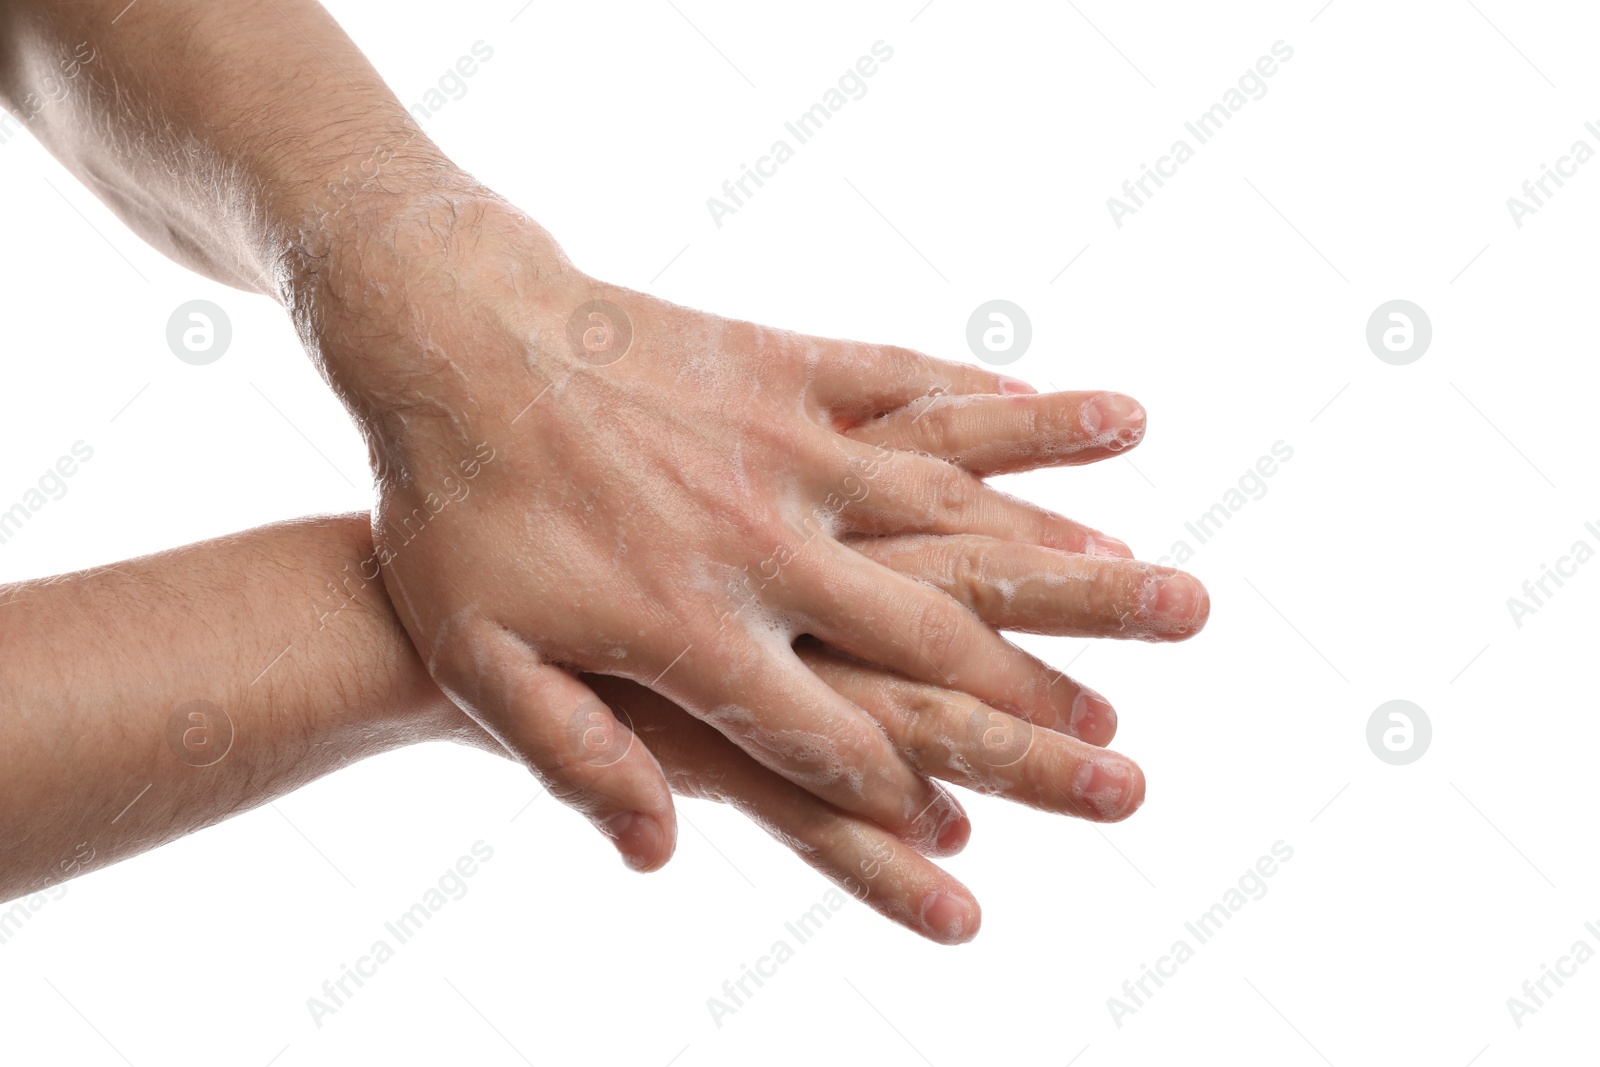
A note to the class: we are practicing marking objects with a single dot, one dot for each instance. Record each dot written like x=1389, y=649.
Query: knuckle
x=1049, y=530
x=740, y=336
x=951, y=496
x=902, y=360
x=935, y=430
x=921, y=711
x=969, y=581
x=942, y=633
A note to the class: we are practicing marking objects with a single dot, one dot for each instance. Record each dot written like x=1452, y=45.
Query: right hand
x=675, y=516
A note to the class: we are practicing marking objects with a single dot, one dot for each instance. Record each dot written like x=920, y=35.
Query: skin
x=91, y=770
x=657, y=494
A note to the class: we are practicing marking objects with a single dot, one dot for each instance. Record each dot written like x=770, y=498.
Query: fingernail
x=1116, y=419
x=1105, y=784
x=948, y=918
x=1015, y=387
x=955, y=835
x=637, y=836
x=943, y=824
x=1092, y=716
x=1173, y=602
x=1099, y=544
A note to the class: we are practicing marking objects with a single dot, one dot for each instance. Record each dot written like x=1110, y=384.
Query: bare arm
x=146, y=700
x=660, y=494
x=209, y=126
x=143, y=701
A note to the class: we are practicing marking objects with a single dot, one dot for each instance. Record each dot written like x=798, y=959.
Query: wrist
x=320, y=220
x=399, y=703
x=430, y=304
x=390, y=699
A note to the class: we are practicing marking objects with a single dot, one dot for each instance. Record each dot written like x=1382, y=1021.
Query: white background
x=1376, y=566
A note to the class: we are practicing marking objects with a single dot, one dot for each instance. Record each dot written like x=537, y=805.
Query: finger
x=857, y=381
x=572, y=742
x=950, y=735
x=988, y=435
x=1015, y=586
x=864, y=860
x=887, y=619
x=756, y=692
x=901, y=493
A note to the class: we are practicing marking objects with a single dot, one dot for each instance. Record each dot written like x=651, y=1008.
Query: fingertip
x=645, y=844
x=1108, y=787
x=940, y=829
x=954, y=837
x=1203, y=612
x=949, y=917
x=1114, y=420
x=1175, y=604
x=1136, y=800
x=1092, y=718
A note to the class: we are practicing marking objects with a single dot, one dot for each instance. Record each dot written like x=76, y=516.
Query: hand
x=576, y=477
x=658, y=493
x=945, y=734
x=354, y=686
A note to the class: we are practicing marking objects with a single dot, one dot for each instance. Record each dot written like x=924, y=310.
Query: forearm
x=272, y=629
x=217, y=129
x=252, y=141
